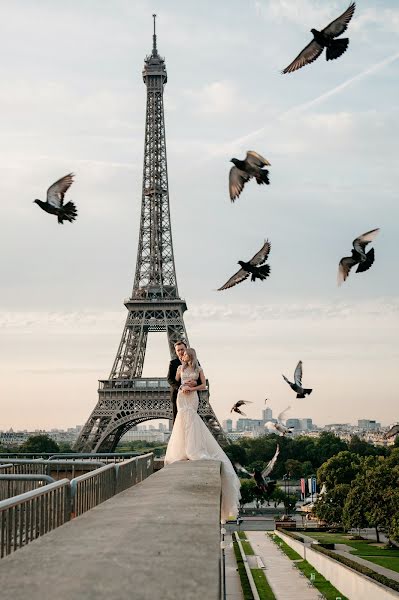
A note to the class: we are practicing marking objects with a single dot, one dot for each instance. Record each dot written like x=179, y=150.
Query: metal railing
x=28, y=516
x=91, y=489
x=6, y=468
x=133, y=471
x=13, y=485
x=104, y=457
x=56, y=468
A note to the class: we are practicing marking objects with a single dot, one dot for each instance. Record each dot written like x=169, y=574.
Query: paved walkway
x=283, y=577
x=233, y=582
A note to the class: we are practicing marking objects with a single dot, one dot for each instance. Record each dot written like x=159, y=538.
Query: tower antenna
x=154, y=37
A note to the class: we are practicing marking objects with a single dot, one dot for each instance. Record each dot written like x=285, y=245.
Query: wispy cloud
x=300, y=108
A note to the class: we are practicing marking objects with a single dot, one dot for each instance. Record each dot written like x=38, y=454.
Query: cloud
x=217, y=98
x=314, y=13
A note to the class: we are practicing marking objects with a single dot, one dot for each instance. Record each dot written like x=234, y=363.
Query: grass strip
x=246, y=588
x=287, y=549
x=262, y=585
x=391, y=583
x=319, y=582
x=241, y=535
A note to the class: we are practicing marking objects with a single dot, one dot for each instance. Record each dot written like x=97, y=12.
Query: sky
x=72, y=99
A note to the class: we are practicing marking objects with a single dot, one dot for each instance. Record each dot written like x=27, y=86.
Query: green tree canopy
x=39, y=443
x=338, y=469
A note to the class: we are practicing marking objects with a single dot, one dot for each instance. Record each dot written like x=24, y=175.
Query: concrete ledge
x=159, y=539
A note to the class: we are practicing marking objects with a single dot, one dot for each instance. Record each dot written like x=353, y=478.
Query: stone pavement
x=233, y=582
x=283, y=577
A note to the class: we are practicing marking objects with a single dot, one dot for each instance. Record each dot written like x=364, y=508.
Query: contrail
x=302, y=107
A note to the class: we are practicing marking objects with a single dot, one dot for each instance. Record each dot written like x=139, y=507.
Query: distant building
x=249, y=424
x=368, y=425
x=228, y=425
x=267, y=414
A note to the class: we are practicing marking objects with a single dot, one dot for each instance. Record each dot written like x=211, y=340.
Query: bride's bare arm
x=198, y=388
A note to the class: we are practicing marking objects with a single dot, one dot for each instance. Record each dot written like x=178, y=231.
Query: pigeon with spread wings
x=251, y=166
x=261, y=476
x=297, y=385
x=392, y=433
x=325, y=39
x=359, y=256
x=55, y=200
x=279, y=426
x=255, y=267
x=239, y=403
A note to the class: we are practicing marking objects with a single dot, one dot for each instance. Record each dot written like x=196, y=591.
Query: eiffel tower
x=126, y=398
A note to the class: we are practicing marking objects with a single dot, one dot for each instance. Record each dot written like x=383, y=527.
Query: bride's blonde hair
x=192, y=359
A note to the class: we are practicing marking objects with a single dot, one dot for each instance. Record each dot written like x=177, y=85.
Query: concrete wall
x=158, y=539
x=349, y=582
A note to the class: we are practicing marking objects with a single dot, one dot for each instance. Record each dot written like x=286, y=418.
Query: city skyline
x=81, y=108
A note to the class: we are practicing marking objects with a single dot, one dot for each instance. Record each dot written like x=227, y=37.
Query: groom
x=180, y=348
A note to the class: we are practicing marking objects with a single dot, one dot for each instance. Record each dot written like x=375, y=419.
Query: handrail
x=27, y=516
x=102, y=455
x=26, y=477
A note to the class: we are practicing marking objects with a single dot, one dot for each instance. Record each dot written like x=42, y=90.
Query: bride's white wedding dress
x=192, y=440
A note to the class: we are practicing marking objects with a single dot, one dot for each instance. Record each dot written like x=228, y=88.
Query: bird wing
x=261, y=256
x=307, y=56
x=240, y=468
x=287, y=380
x=280, y=417
x=345, y=265
x=270, y=465
x=241, y=402
x=236, y=278
x=256, y=160
x=339, y=25
x=361, y=242
x=364, y=266
x=392, y=432
x=298, y=374
x=269, y=425
x=56, y=192
x=237, y=180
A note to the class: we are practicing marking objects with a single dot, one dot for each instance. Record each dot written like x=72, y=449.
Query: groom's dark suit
x=174, y=385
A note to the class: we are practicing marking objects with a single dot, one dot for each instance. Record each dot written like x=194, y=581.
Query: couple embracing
x=191, y=439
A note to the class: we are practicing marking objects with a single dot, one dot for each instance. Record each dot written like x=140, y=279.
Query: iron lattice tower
x=126, y=398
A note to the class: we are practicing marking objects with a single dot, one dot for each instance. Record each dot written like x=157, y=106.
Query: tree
x=40, y=444
x=341, y=468
x=329, y=506
x=354, y=510
x=294, y=467
x=247, y=491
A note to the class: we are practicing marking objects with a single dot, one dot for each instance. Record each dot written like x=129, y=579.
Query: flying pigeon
x=55, y=200
x=279, y=426
x=236, y=409
x=297, y=385
x=251, y=267
x=393, y=432
x=261, y=477
x=325, y=39
x=251, y=166
x=359, y=256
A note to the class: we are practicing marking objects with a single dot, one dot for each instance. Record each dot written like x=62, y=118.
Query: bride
x=191, y=438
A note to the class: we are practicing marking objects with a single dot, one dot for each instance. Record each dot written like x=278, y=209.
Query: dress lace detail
x=192, y=440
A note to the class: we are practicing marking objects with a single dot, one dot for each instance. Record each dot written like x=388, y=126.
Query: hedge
x=391, y=583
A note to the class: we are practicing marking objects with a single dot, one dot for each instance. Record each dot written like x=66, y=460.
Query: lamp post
x=223, y=546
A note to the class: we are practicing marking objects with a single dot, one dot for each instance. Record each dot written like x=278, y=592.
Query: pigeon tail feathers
x=68, y=213
x=336, y=48
x=263, y=177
